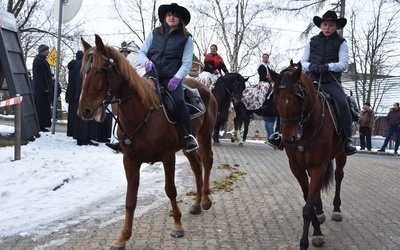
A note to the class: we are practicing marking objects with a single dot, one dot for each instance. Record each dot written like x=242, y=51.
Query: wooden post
x=17, y=124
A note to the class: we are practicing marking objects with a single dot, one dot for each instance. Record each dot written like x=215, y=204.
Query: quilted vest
x=166, y=51
x=325, y=50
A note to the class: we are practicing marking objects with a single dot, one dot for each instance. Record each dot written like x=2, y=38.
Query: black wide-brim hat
x=330, y=16
x=173, y=7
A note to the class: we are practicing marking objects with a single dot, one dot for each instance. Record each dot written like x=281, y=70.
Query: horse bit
x=107, y=101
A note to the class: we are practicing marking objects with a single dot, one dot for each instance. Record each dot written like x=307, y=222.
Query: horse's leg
x=207, y=159
x=170, y=190
x=222, y=118
x=217, y=127
x=237, y=121
x=339, y=174
x=204, y=156
x=246, y=124
x=319, y=211
x=132, y=174
x=302, y=178
x=317, y=178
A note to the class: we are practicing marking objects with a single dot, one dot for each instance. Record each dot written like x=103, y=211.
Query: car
x=376, y=141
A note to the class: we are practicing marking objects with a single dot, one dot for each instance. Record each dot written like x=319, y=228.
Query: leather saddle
x=193, y=101
x=335, y=110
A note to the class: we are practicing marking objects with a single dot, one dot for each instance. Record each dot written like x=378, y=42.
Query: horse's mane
x=144, y=87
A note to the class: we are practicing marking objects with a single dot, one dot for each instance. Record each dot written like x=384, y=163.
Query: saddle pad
x=254, y=97
x=208, y=79
x=193, y=101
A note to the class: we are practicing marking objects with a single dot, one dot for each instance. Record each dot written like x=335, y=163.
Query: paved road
x=263, y=210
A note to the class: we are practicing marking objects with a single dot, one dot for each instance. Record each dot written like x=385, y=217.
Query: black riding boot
x=190, y=143
x=349, y=147
x=275, y=140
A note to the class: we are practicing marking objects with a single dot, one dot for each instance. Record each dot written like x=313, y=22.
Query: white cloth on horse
x=254, y=97
x=208, y=79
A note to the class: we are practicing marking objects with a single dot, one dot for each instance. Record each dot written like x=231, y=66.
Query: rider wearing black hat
x=325, y=57
x=169, y=50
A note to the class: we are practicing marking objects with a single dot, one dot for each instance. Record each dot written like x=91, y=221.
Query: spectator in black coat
x=84, y=131
x=42, y=83
x=70, y=95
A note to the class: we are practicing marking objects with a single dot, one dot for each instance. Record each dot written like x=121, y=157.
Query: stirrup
x=190, y=143
x=275, y=140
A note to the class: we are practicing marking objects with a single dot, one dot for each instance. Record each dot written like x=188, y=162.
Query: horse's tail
x=328, y=176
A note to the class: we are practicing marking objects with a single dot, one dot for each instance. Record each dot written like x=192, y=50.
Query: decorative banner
x=52, y=58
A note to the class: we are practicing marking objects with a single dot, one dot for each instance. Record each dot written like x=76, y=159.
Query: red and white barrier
x=17, y=120
x=12, y=101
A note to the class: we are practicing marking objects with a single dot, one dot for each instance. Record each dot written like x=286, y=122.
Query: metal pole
x=53, y=127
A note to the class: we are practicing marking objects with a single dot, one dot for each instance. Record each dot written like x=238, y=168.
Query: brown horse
x=145, y=133
x=311, y=143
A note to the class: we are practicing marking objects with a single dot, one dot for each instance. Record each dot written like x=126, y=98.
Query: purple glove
x=173, y=83
x=148, y=66
x=215, y=72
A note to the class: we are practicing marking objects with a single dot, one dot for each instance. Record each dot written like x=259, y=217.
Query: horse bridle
x=228, y=90
x=304, y=117
x=108, y=100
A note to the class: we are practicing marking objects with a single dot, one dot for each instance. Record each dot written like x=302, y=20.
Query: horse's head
x=109, y=77
x=98, y=72
x=235, y=83
x=290, y=98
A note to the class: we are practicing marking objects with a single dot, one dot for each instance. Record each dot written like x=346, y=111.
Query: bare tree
x=373, y=51
x=134, y=14
x=36, y=24
x=235, y=25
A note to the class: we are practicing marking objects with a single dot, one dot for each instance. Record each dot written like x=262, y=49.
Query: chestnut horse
x=144, y=131
x=311, y=143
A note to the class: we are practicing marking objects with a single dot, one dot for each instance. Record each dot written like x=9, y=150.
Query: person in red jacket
x=213, y=63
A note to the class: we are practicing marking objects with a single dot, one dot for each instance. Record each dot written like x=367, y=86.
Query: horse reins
x=109, y=69
x=303, y=119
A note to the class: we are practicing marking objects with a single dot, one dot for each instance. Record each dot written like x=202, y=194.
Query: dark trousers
x=392, y=130
x=335, y=90
x=365, y=136
x=179, y=99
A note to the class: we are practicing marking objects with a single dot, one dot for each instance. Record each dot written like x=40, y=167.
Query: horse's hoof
x=117, y=247
x=321, y=218
x=232, y=139
x=217, y=144
x=318, y=241
x=178, y=233
x=241, y=144
x=207, y=205
x=337, y=216
x=195, y=210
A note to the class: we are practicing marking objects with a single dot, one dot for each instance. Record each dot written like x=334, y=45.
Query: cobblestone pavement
x=263, y=211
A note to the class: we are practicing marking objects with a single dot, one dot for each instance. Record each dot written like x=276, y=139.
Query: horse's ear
x=86, y=46
x=298, y=71
x=99, y=43
x=273, y=74
x=299, y=65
